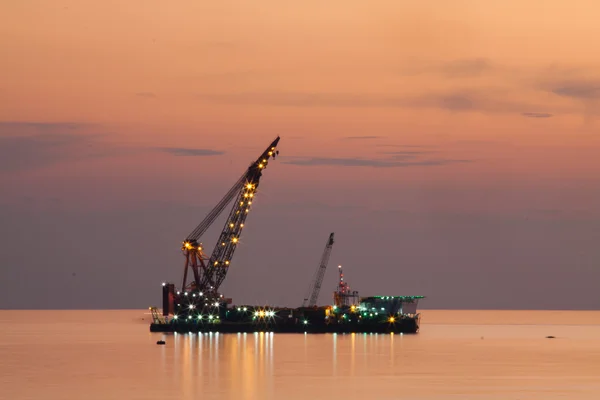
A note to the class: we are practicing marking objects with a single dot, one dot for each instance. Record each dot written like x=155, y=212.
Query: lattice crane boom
x=315, y=286
x=215, y=212
x=209, y=273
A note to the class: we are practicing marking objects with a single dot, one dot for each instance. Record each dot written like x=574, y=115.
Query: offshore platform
x=198, y=306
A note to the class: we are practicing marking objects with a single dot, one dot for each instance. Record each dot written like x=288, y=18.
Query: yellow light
x=249, y=203
x=241, y=203
x=353, y=308
x=242, y=225
x=260, y=165
x=226, y=262
x=251, y=194
x=216, y=262
x=249, y=186
x=231, y=225
x=270, y=153
x=234, y=240
x=245, y=194
x=272, y=148
x=391, y=319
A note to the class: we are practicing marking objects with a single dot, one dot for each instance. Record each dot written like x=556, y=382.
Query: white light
x=186, y=293
x=178, y=292
x=164, y=284
x=200, y=293
x=210, y=317
x=175, y=317
x=305, y=322
x=216, y=304
x=245, y=309
x=191, y=306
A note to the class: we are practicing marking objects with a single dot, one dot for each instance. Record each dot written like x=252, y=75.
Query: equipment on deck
x=343, y=297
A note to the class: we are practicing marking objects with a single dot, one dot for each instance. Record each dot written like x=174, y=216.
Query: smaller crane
x=315, y=286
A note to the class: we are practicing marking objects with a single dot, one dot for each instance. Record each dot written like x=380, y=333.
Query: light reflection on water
x=104, y=355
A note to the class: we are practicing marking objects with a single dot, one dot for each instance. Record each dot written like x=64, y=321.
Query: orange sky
x=216, y=75
x=431, y=106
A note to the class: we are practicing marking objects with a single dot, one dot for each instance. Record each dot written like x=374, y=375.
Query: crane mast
x=315, y=286
x=343, y=297
x=210, y=272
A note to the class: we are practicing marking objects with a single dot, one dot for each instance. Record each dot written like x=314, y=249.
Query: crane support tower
x=343, y=297
x=315, y=286
x=210, y=272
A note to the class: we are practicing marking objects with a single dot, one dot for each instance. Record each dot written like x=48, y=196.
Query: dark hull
x=406, y=325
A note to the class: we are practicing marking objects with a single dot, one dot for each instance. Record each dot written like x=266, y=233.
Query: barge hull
x=404, y=326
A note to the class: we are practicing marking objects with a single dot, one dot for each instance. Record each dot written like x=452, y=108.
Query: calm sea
x=483, y=355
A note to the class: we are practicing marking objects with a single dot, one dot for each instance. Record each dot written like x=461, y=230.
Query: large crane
x=210, y=272
x=315, y=286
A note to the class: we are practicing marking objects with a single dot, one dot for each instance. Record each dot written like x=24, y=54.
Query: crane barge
x=199, y=306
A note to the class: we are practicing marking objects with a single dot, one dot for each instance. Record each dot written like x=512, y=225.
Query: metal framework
x=315, y=286
x=210, y=272
x=343, y=297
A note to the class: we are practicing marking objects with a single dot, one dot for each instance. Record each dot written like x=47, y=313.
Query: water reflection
x=264, y=365
x=43, y=358
x=334, y=353
x=237, y=366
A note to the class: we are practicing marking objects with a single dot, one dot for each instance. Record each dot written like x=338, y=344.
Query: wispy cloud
x=370, y=162
x=537, y=115
x=361, y=137
x=457, y=101
x=459, y=68
x=147, y=95
x=188, y=152
x=466, y=67
x=408, y=146
x=405, y=155
x=584, y=90
x=34, y=151
x=31, y=144
x=300, y=99
x=19, y=127
x=580, y=89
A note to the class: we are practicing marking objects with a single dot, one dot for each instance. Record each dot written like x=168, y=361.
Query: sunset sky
x=452, y=146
